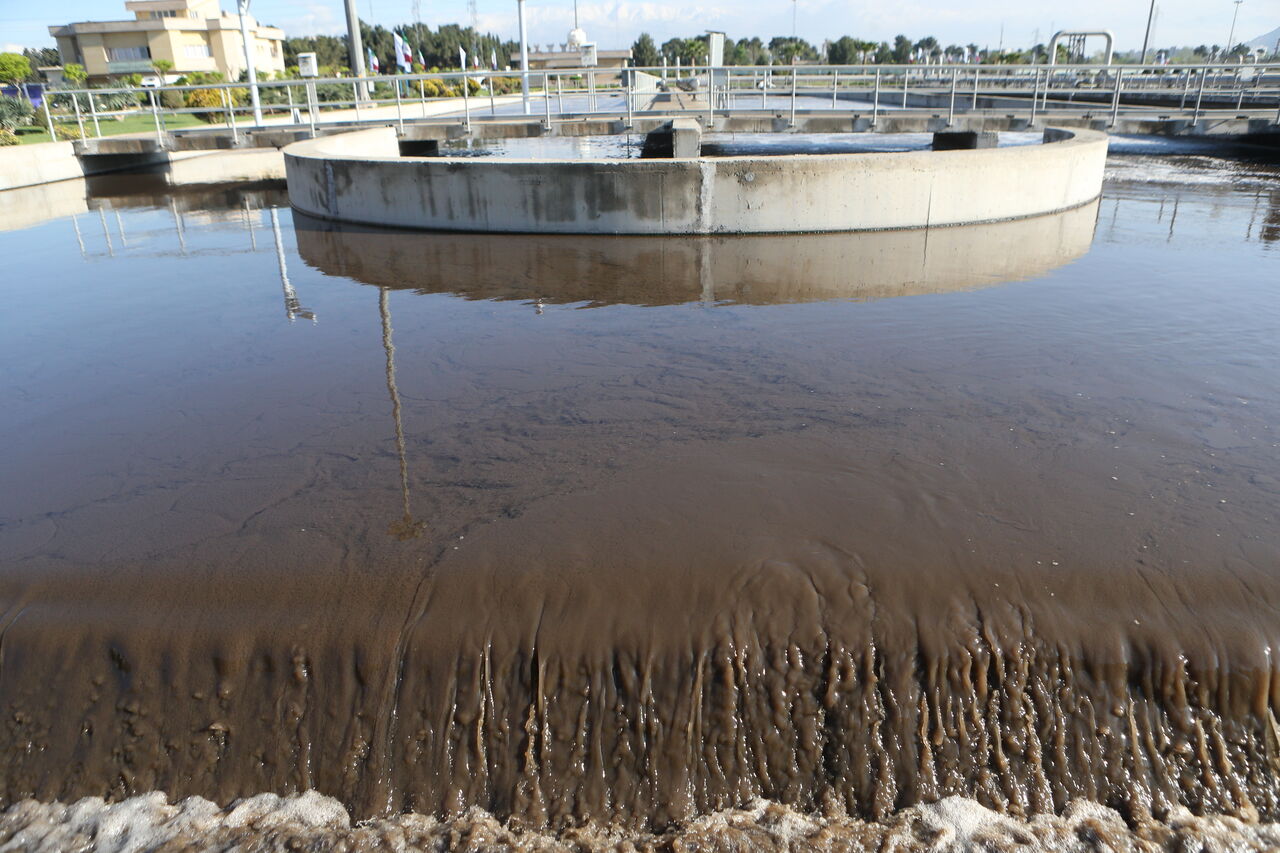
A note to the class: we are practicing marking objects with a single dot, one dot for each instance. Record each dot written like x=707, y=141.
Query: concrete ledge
x=360, y=177
x=40, y=163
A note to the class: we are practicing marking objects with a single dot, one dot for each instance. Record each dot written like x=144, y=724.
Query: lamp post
x=243, y=7
x=355, y=46
x=1146, y=39
x=1232, y=35
x=524, y=57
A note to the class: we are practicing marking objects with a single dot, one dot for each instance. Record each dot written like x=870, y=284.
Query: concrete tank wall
x=359, y=177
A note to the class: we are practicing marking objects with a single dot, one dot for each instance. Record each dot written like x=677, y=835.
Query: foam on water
x=309, y=821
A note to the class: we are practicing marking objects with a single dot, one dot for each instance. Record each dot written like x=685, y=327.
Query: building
x=193, y=35
x=571, y=55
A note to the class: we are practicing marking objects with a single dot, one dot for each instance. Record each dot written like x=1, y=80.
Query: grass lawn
x=141, y=122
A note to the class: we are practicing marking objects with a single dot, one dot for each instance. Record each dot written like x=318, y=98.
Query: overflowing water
x=934, y=536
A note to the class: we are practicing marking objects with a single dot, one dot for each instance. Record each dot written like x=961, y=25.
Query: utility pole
x=1232, y=36
x=524, y=56
x=243, y=7
x=355, y=47
x=1146, y=39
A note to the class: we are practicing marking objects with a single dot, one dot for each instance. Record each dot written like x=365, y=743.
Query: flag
x=374, y=67
x=493, y=59
x=404, y=54
x=462, y=54
x=421, y=60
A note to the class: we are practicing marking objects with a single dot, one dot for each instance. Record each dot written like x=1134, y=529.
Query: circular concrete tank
x=360, y=177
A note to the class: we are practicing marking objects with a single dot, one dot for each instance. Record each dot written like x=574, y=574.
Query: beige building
x=194, y=35
x=571, y=55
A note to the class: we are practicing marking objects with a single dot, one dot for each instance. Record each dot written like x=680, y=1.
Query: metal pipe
x=906, y=74
x=975, y=88
x=1186, y=89
x=560, y=92
x=355, y=95
x=400, y=109
x=835, y=85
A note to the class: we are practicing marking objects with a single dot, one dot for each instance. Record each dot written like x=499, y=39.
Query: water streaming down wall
x=645, y=676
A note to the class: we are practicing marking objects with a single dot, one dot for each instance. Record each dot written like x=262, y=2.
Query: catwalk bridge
x=1214, y=99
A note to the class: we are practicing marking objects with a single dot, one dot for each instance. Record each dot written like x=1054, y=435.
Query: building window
x=165, y=13
x=198, y=51
x=128, y=54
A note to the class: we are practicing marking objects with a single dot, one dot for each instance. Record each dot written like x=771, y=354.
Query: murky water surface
x=633, y=530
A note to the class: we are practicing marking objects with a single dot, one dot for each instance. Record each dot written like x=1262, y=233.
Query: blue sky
x=614, y=23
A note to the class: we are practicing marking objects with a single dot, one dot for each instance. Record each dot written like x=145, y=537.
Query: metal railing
x=1193, y=92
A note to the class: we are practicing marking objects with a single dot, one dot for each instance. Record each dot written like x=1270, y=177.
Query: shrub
x=171, y=100
x=8, y=137
x=66, y=132
x=15, y=112
x=212, y=104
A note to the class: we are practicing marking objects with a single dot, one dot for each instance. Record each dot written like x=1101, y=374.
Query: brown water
x=745, y=529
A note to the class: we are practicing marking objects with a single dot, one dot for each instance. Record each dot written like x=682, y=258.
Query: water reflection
x=754, y=270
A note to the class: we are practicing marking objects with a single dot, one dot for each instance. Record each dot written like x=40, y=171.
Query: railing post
x=630, y=85
x=951, y=114
x=1115, y=104
x=546, y=100
x=355, y=99
x=711, y=98
x=93, y=112
x=875, y=100
x=835, y=86
x=155, y=114
x=906, y=73
x=976, y=71
x=466, y=103
x=1186, y=89
x=794, y=83
x=1035, y=97
x=48, y=117
x=493, y=109
x=400, y=105
x=1195, y=117
x=560, y=92
x=75, y=102
x=231, y=116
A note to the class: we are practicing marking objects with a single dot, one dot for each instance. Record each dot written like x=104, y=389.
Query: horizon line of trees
x=847, y=50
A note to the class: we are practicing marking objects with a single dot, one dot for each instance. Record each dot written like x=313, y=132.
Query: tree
x=673, y=49
x=645, y=52
x=74, y=73
x=14, y=68
x=162, y=66
x=843, y=51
